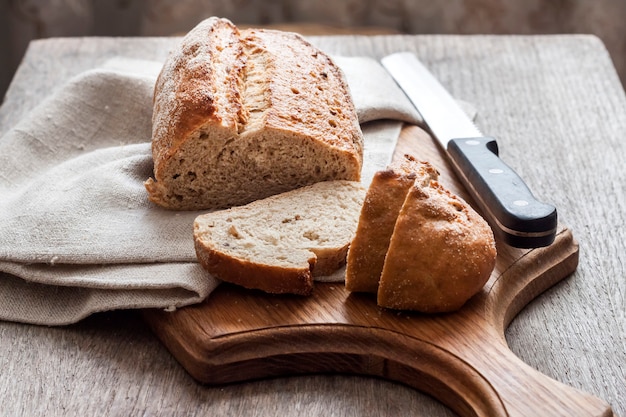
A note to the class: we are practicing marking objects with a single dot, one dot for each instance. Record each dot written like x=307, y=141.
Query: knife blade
x=506, y=202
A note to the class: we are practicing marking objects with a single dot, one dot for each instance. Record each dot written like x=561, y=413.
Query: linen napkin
x=77, y=232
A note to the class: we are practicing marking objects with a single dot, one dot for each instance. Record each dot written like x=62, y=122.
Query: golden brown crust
x=278, y=244
x=251, y=275
x=335, y=123
x=440, y=255
x=383, y=202
x=239, y=116
x=418, y=246
x=185, y=93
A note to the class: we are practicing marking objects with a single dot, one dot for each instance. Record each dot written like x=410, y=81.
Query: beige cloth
x=77, y=233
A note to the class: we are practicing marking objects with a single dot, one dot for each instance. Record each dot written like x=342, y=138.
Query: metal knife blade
x=506, y=202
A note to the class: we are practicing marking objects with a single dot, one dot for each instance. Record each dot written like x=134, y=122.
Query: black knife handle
x=506, y=202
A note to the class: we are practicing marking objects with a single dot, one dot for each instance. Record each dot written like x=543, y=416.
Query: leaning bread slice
x=441, y=253
x=383, y=202
x=242, y=115
x=280, y=243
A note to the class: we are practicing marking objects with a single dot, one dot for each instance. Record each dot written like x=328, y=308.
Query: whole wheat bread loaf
x=280, y=243
x=242, y=115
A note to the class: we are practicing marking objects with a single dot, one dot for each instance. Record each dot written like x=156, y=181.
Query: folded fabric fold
x=77, y=233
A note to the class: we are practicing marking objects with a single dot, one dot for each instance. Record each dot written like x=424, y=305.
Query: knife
x=506, y=202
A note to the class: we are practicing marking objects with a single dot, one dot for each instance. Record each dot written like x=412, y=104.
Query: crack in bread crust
x=240, y=116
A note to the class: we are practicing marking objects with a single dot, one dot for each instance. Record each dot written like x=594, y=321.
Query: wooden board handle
x=460, y=358
x=517, y=391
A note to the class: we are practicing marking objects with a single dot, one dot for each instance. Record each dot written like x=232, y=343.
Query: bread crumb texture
x=242, y=115
x=280, y=243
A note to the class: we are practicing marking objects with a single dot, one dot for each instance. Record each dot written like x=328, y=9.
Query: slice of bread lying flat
x=418, y=246
x=380, y=210
x=280, y=243
x=242, y=115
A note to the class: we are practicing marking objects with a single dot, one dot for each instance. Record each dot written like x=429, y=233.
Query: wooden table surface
x=559, y=112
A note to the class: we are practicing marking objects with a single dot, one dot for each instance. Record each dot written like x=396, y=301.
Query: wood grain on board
x=460, y=358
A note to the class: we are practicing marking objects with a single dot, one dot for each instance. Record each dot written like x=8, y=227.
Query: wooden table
x=559, y=111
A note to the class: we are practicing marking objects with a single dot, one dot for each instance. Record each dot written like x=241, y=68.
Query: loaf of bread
x=429, y=251
x=242, y=115
x=280, y=243
x=384, y=199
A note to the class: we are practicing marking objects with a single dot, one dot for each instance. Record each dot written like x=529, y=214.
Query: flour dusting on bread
x=242, y=115
x=418, y=246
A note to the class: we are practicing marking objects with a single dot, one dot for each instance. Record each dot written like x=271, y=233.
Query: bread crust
x=417, y=246
x=440, y=255
x=186, y=94
x=279, y=244
x=253, y=275
x=241, y=115
x=385, y=197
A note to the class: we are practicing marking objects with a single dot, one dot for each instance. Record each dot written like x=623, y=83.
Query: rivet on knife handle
x=513, y=211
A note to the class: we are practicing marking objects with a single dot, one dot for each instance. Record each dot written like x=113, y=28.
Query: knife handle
x=506, y=202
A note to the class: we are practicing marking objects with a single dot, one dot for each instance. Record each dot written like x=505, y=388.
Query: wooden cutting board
x=462, y=358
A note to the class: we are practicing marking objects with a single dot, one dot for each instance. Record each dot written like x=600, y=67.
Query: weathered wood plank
x=559, y=111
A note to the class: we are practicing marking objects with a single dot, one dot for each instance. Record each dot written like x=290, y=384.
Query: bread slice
x=384, y=199
x=441, y=253
x=242, y=115
x=280, y=243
